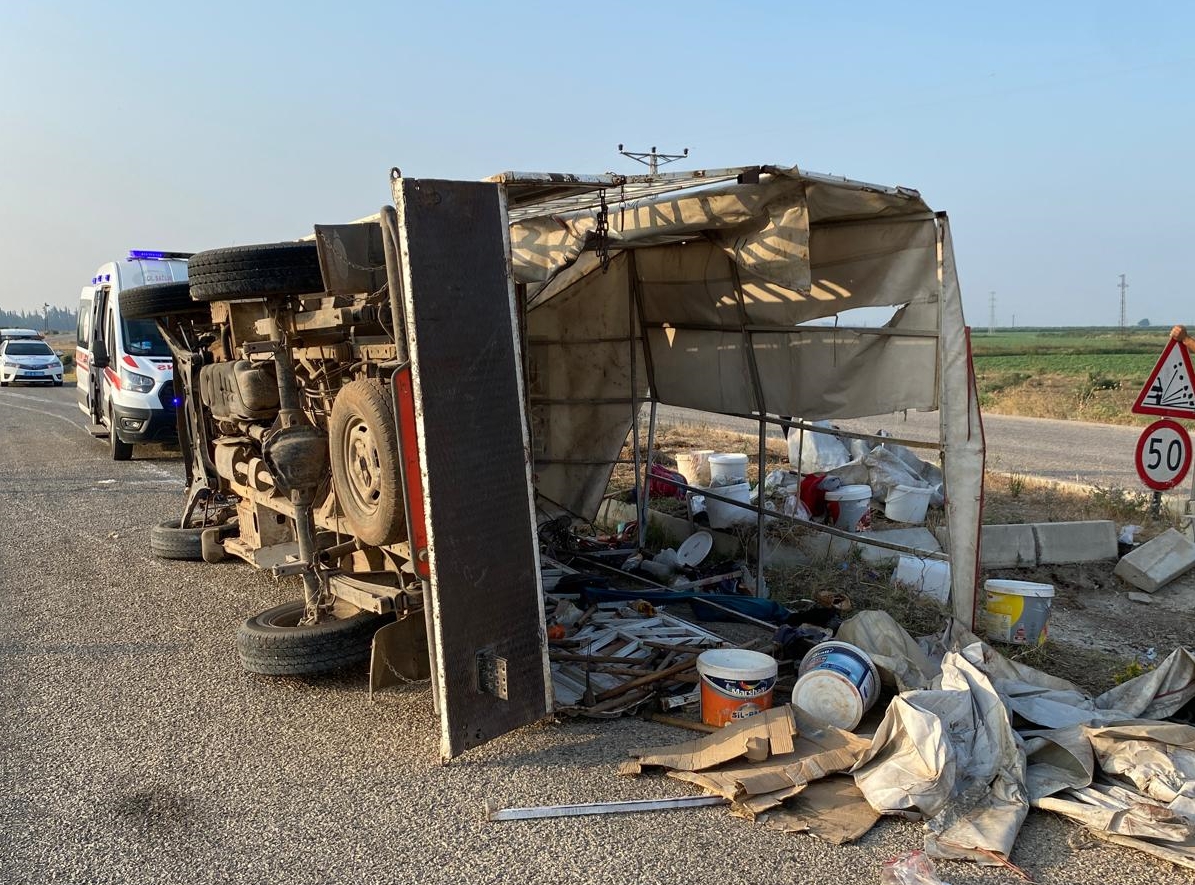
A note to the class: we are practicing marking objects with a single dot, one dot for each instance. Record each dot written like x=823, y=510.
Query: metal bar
x=493, y=813
x=631, y=338
x=883, y=331
x=645, y=500
x=581, y=462
x=797, y=424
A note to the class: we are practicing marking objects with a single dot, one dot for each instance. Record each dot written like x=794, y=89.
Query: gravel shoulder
x=135, y=750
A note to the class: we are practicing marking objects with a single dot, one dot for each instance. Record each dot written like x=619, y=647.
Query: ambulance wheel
x=365, y=474
x=271, y=270
x=156, y=300
x=273, y=644
x=118, y=448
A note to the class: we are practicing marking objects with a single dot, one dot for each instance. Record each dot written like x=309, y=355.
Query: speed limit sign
x=1163, y=455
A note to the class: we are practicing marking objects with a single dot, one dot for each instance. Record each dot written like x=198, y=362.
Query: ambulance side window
x=84, y=331
x=110, y=332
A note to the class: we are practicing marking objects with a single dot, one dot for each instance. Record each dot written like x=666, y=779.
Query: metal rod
x=542, y=811
x=651, y=455
x=765, y=328
x=634, y=399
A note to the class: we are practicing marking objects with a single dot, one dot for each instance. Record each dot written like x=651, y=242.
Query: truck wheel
x=118, y=448
x=168, y=541
x=272, y=643
x=157, y=300
x=365, y=473
x=272, y=270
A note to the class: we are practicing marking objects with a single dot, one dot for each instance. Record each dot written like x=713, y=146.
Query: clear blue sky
x=1057, y=135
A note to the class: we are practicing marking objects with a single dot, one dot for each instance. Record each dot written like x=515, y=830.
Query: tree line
x=52, y=319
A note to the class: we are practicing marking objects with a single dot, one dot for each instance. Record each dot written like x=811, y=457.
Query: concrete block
x=1158, y=562
x=1007, y=546
x=1064, y=542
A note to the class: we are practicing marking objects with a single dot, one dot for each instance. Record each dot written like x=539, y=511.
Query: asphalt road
x=1063, y=451
x=133, y=750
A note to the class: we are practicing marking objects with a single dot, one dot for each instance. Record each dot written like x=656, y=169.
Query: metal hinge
x=491, y=674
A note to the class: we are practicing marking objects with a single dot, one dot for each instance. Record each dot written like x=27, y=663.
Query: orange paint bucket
x=735, y=684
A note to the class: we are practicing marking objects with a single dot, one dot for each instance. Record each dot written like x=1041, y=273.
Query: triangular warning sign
x=1170, y=389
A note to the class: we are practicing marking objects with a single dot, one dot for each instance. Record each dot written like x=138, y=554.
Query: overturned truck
x=389, y=408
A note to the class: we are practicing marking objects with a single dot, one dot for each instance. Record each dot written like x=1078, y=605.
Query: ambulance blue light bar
x=156, y=255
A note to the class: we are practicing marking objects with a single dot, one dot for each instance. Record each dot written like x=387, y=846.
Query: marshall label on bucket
x=735, y=684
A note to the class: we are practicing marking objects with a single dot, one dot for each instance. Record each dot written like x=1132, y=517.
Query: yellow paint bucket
x=1018, y=612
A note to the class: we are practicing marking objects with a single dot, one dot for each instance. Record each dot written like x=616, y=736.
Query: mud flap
x=399, y=654
x=487, y=633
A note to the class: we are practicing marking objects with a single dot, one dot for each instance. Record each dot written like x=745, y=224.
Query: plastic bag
x=910, y=868
x=819, y=453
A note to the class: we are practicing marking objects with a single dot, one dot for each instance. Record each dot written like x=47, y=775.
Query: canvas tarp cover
x=709, y=300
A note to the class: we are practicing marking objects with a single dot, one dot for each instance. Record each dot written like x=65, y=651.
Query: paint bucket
x=907, y=504
x=727, y=468
x=722, y=514
x=928, y=576
x=848, y=507
x=1018, y=612
x=735, y=684
x=695, y=466
x=837, y=684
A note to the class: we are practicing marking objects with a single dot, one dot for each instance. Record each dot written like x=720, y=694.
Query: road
x=1063, y=451
x=134, y=750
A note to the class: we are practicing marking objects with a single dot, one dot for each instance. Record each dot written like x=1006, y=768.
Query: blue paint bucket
x=837, y=684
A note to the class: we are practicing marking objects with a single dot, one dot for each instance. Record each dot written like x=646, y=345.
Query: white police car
x=29, y=360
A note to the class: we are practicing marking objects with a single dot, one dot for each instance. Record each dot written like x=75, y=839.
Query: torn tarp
x=947, y=750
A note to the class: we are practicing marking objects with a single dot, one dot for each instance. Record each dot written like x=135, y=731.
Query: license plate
x=35, y=374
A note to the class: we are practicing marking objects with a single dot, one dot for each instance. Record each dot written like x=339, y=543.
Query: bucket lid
x=849, y=493
x=911, y=490
x=695, y=548
x=1019, y=588
x=728, y=458
x=829, y=697
x=736, y=663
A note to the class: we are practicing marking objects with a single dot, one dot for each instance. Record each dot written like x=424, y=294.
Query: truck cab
x=124, y=374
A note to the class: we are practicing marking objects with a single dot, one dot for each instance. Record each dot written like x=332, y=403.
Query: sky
x=1056, y=135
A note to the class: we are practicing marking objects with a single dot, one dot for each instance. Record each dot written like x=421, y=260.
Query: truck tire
x=271, y=643
x=168, y=541
x=365, y=465
x=157, y=300
x=271, y=270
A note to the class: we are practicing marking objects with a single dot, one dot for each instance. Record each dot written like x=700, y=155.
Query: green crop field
x=1091, y=374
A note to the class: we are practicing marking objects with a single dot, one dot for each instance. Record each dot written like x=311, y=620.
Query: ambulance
x=124, y=369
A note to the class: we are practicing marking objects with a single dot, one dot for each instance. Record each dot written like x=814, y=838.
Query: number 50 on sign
x=1163, y=455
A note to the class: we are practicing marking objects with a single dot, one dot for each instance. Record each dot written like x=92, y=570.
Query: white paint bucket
x=722, y=514
x=847, y=505
x=694, y=466
x=837, y=684
x=1018, y=612
x=928, y=576
x=728, y=467
x=907, y=504
x=735, y=684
